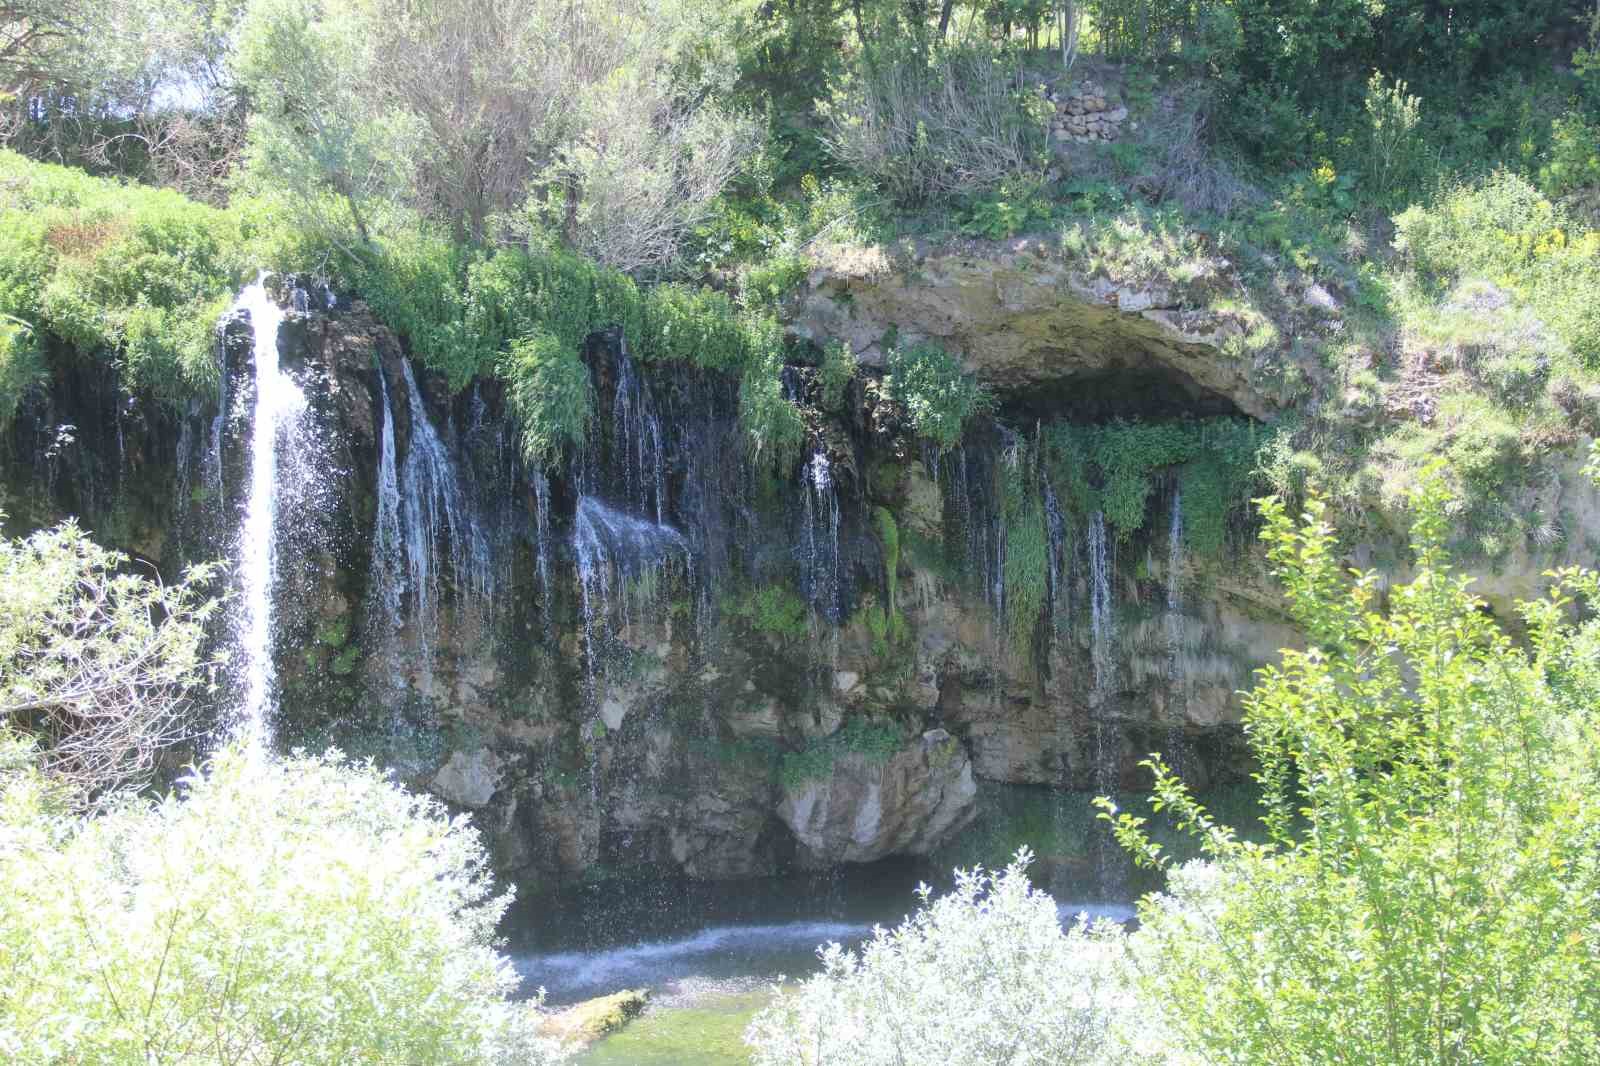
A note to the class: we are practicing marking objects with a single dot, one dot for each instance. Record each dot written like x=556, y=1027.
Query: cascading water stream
x=616, y=551
x=1177, y=744
x=1102, y=635
x=1102, y=622
x=426, y=532
x=279, y=403
x=820, y=580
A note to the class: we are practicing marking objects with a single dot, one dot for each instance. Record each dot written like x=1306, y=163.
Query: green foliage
x=1504, y=232
x=1027, y=552
x=1016, y=207
x=1427, y=794
x=1572, y=162
x=271, y=911
x=550, y=392
x=98, y=664
x=937, y=392
x=1394, y=152
x=1112, y=467
x=21, y=366
x=772, y=425
x=980, y=976
x=929, y=124
x=525, y=315
x=835, y=374
x=774, y=610
x=876, y=741
x=889, y=537
x=887, y=628
x=131, y=276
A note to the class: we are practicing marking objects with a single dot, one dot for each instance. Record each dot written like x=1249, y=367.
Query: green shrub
x=1428, y=795
x=1504, y=232
x=938, y=394
x=875, y=741
x=771, y=609
x=889, y=537
x=134, y=277
x=1572, y=161
x=959, y=122
x=980, y=976
x=21, y=365
x=550, y=392
x=835, y=374
x=309, y=910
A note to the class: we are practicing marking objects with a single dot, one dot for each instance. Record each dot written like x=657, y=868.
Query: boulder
x=866, y=810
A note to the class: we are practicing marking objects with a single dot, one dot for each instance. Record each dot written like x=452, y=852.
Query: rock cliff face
x=666, y=656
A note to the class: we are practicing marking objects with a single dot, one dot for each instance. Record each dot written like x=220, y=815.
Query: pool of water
x=710, y=954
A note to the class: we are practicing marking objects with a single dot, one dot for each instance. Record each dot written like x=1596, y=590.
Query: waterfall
x=1102, y=635
x=617, y=555
x=638, y=442
x=1102, y=623
x=1058, y=595
x=426, y=534
x=1175, y=552
x=279, y=404
x=820, y=574
x=1177, y=744
x=386, y=586
x=541, y=522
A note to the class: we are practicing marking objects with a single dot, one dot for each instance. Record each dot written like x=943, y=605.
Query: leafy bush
x=938, y=394
x=835, y=374
x=552, y=396
x=771, y=609
x=875, y=741
x=135, y=277
x=1112, y=467
x=1572, y=161
x=958, y=123
x=1430, y=888
x=981, y=976
x=309, y=911
x=1503, y=231
x=98, y=665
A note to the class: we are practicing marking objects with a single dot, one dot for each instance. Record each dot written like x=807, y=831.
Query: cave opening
x=1147, y=391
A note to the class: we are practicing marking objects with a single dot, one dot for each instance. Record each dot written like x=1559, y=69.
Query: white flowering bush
x=981, y=976
x=305, y=911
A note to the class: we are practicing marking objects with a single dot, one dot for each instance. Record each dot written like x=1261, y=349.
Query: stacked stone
x=1086, y=115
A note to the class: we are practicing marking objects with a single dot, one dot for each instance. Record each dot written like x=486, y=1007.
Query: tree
x=307, y=911
x=98, y=664
x=314, y=130
x=605, y=113
x=1429, y=891
x=138, y=87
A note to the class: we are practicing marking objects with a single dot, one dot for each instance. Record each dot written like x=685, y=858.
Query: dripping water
x=1102, y=635
x=541, y=524
x=820, y=577
x=617, y=555
x=1177, y=745
x=427, y=535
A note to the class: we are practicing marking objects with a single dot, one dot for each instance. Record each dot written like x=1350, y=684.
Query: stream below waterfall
x=710, y=953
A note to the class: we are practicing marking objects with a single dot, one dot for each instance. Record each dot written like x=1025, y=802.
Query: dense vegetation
x=1426, y=891
x=303, y=910
x=1397, y=205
